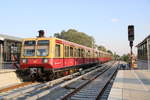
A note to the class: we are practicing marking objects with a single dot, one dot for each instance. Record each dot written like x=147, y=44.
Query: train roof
x=83, y=46
x=70, y=43
x=145, y=40
x=8, y=37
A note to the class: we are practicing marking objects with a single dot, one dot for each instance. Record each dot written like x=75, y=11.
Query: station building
x=143, y=58
x=10, y=49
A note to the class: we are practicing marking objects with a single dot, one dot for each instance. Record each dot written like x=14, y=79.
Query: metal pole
x=148, y=53
x=131, y=45
x=131, y=51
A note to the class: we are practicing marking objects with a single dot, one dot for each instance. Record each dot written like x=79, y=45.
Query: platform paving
x=131, y=85
x=8, y=77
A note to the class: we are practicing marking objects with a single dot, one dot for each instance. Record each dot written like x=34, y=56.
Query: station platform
x=8, y=77
x=7, y=70
x=131, y=85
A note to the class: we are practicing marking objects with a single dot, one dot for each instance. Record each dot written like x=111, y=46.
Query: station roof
x=8, y=37
x=145, y=40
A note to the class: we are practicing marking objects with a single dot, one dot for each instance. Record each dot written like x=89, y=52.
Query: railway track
x=42, y=90
x=19, y=89
x=106, y=90
x=94, y=88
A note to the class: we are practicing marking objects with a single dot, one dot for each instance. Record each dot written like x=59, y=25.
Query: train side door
x=66, y=55
x=58, y=60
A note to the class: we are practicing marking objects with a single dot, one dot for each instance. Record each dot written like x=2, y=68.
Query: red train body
x=53, y=54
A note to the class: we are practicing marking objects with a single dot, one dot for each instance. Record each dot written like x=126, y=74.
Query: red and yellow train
x=50, y=57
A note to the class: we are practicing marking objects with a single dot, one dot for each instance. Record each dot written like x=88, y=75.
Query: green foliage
x=77, y=37
x=116, y=56
x=109, y=51
x=102, y=48
x=125, y=57
x=80, y=38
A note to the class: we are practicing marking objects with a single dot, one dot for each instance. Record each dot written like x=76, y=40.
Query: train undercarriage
x=41, y=74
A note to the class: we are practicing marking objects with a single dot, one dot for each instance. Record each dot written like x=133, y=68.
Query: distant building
x=10, y=47
x=143, y=57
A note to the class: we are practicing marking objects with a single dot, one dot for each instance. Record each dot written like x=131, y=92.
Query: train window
x=71, y=51
x=29, y=43
x=43, y=42
x=29, y=52
x=92, y=54
x=66, y=51
x=42, y=48
x=96, y=54
x=101, y=54
x=79, y=52
x=42, y=51
x=57, y=50
x=88, y=54
x=75, y=52
x=29, y=48
x=82, y=52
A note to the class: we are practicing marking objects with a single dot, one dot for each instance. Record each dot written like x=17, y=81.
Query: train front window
x=29, y=43
x=43, y=42
x=42, y=48
x=29, y=52
x=29, y=48
x=42, y=52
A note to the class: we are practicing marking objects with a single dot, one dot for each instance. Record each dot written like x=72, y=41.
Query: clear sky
x=105, y=20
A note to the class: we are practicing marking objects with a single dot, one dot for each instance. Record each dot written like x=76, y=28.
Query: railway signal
x=131, y=36
x=131, y=33
x=131, y=39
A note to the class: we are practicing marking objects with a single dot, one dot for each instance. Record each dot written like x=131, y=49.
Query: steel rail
x=83, y=85
x=23, y=90
x=39, y=95
x=108, y=82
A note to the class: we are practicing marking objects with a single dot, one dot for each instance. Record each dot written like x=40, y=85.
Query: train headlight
x=45, y=60
x=24, y=61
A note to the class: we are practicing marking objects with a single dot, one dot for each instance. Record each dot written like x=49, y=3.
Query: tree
x=125, y=58
x=77, y=37
x=116, y=56
x=102, y=48
x=109, y=51
x=80, y=38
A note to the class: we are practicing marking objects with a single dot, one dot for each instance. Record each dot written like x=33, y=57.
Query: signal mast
x=131, y=39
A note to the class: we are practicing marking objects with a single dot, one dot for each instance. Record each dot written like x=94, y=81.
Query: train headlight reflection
x=24, y=61
x=45, y=60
